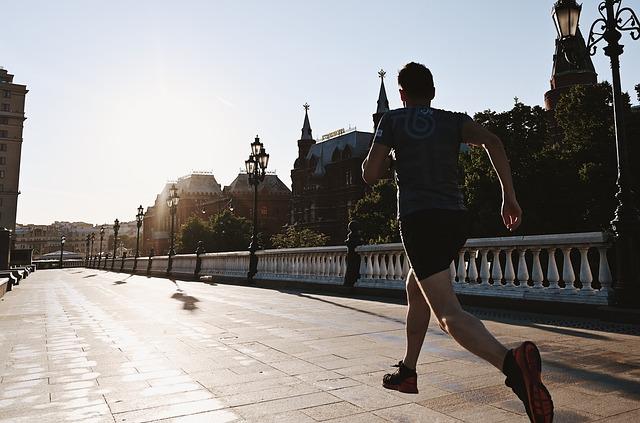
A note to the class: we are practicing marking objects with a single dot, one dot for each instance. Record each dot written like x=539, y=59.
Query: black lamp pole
x=62, y=241
x=615, y=19
x=92, y=258
x=256, y=167
x=116, y=228
x=86, y=250
x=139, y=218
x=172, y=202
x=100, y=252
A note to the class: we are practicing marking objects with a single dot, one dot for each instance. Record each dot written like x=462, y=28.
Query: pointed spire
x=383, y=103
x=306, y=127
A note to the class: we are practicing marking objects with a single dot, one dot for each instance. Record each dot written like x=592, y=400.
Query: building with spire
x=572, y=66
x=12, y=98
x=326, y=176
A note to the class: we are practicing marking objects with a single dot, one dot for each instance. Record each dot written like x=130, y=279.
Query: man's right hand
x=511, y=213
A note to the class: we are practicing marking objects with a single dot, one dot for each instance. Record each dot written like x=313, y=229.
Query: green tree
x=376, y=214
x=229, y=232
x=638, y=91
x=192, y=231
x=294, y=237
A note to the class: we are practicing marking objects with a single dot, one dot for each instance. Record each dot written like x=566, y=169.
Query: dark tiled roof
x=271, y=184
x=322, y=152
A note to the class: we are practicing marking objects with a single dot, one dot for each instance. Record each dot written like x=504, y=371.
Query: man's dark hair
x=416, y=80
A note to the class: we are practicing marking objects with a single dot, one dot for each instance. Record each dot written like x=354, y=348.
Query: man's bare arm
x=475, y=134
x=376, y=163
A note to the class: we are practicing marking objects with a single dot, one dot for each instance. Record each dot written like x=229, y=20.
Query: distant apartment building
x=43, y=239
x=12, y=98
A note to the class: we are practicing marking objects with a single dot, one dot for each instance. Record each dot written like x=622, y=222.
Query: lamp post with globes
x=63, y=239
x=256, y=167
x=139, y=218
x=172, y=202
x=116, y=228
x=613, y=21
x=100, y=250
x=86, y=250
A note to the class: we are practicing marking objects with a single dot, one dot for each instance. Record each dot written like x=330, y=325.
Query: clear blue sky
x=125, y=95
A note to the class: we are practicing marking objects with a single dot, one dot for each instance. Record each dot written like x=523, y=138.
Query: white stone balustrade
x=141, y=267
x=159, y=264
x=183, y=265
x=128, y=264
x=232, y=264
x=386, y=266
x=326, y=265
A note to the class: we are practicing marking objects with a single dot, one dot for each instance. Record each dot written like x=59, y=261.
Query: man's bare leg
x=418, y=314
x=465, y=328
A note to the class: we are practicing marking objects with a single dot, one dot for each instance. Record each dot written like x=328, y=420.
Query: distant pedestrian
x=434, y=225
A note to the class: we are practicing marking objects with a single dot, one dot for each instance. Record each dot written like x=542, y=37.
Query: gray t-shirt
x=426, y=144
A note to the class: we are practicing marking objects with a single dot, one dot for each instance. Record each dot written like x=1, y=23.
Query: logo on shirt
x=420, y=123
x=379, y=132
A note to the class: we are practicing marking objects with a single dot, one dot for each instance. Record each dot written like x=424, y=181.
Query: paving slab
x=84, y=345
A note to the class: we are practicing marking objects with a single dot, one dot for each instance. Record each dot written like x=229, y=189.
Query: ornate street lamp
x=566, y=15
x=86, y=250
x=626, y=222
x=139, y=218
x=93, y=238
x=100, y=252
x=63, y=239
x=116, y=228
x=256, y=167
x=172, y=202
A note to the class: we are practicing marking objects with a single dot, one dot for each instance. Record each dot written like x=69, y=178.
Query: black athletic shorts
x=432, y=239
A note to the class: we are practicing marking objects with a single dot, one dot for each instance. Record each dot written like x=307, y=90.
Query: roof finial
x=306, y=127
x=383, y=102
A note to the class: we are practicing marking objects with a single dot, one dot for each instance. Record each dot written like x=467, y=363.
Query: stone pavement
x=79, y=345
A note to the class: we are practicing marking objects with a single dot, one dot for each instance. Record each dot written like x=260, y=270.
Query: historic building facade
x=326, y=177
x=12, y=99
x=202, y=196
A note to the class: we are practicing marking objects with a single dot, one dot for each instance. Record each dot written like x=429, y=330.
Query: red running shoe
x=404, y=379
x=527, y=383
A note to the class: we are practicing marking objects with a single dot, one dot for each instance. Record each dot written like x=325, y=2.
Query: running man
x=434, y=225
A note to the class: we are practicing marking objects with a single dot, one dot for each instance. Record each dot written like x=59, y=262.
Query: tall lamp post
x=93, y=238
x=116, y=228
x=63, y=239
x=139, y=218
x=86, y=250
x=100, y=252
x=626, y=221
x=172, y=202
x=256, y=167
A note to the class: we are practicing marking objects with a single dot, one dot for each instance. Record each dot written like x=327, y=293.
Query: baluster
x=552, y=270
x=363, y=265
x=334, y=264
x=604, y=273
x=376, y=266
x=484, y=267
x=383, y=266
x=568, y=276
x=391, y=267
x=523, y=270
x=369, y=260
x=538, y=275
x=586, y=278
x=343, y=264
x=397, y=275
x=509, y=272
x=496, y=269
x=473, y=270
x=452, y=272
x=462, y=270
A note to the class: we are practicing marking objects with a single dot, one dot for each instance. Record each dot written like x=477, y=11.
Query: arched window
x=335, y=156
x=346, y=153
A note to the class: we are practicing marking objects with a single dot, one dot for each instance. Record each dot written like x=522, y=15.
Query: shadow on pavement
x=188, y=300
x=370, y=313
x=123, y=281
x=570, y=332
x=90, y=276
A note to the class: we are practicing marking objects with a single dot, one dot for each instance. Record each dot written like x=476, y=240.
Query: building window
x=263, y=211
x=1, y=174
x=1, y=187
x=4, y=133
x=3, y=147
x=4, y=121
x=3, y=160
x=6, y=107
x=6, y=94
x=348, y=177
